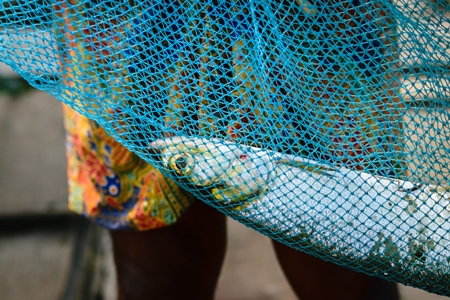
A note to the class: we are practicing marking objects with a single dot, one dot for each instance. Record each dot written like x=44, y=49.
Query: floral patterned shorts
x=113, y=186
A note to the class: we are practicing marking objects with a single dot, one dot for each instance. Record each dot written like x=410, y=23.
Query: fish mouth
x=156, y=147
x=155, y=151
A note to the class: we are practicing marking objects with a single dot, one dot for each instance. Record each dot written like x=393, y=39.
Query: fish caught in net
x=322, y=124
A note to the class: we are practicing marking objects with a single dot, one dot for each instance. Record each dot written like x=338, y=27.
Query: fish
x=341, y=211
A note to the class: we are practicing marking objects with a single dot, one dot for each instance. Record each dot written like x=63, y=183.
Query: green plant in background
x=14, y=86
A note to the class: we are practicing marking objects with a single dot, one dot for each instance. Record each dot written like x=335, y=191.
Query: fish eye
x=181, y=164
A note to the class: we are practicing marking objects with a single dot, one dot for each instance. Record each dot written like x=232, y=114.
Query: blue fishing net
x=322, y=124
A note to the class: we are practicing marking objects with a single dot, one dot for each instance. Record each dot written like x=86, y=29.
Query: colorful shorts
x=113, y=186
x=207, y=70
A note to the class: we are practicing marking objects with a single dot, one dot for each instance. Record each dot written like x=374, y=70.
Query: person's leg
x=314, y=279
x=182, y=261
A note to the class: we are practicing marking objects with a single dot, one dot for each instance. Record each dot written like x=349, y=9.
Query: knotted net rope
x=322, y=124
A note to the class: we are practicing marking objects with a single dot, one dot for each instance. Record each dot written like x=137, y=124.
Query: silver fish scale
x=356, y=209
x=343, y=212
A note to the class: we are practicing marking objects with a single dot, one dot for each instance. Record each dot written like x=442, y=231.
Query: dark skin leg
x=314, y=279
x=182, y=261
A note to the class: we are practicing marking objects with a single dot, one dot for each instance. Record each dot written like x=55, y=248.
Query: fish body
x=307, y=7
x=352, y=212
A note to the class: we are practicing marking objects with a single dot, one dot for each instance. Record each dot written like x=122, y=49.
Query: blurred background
x=48, y=253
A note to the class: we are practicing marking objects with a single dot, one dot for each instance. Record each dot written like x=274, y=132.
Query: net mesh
x=323, y=124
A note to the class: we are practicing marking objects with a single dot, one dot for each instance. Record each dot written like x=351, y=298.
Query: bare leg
x=182, y=261
x=314, y=279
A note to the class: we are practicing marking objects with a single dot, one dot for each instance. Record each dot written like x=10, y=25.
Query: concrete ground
x=46, y=253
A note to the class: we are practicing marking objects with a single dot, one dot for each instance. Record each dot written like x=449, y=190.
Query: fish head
x=236, y=173
x=198, y=160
